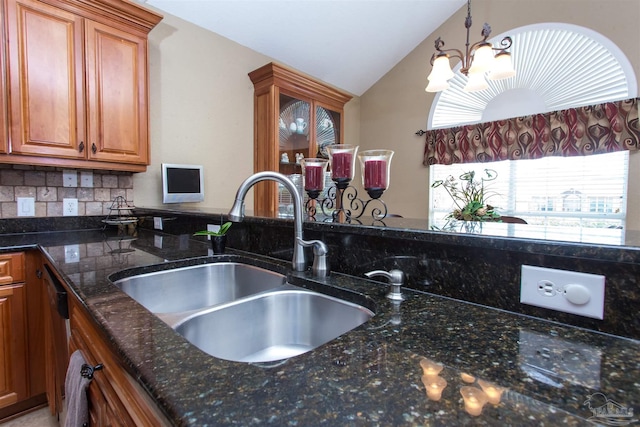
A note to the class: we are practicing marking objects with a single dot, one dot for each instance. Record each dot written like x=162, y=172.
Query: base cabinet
x=115, y=399
x=22, y=350
x=14, y=381
x=13, y=375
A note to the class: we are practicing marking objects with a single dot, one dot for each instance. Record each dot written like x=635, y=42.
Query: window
x=585, y=191
x=546, y=80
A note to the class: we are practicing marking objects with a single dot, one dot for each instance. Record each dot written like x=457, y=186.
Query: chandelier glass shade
x=478, y=61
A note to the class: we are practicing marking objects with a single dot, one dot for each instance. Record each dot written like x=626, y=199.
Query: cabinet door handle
x=81, y=146
x=38, y=273
x=94, y=148
x=87, y=370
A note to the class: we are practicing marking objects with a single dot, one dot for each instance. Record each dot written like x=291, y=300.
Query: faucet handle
x=320, y=266
x=396, y=279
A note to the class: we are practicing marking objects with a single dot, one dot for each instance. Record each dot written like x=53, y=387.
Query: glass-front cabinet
x=295, y=117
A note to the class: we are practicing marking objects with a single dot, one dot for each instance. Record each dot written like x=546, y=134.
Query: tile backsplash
x=45, y=185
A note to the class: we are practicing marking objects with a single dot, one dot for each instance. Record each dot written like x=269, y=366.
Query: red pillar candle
x=314, y=177
x=313, y=171
x=342, y=158
x=375, y=174
x=341, y=165
x=375, y=170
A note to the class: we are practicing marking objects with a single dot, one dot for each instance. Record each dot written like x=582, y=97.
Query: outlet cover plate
x=69, y=207
x=212, y=227
x=26, y=206
x=71, y=253
x=553, y=360
x=86, y=179
x=544, y=287
x=69, y=178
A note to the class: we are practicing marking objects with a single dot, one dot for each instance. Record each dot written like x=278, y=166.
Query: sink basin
x=196, y=287
x=272, y=326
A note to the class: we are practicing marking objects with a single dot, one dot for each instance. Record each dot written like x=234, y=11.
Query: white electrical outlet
x=567, y=291
x=70, y=207
x=71, y=253
x=157, y=223
x=553, y=360
x=86, y=179
x=212, y=227
x=69, y=178
x=26, y=206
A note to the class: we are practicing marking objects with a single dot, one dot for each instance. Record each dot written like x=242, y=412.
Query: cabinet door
x=117, y=95
x=4, y=135
x=13, y=375
x=45, y=79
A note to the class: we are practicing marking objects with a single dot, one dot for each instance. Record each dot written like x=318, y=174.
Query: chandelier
x=477, y=60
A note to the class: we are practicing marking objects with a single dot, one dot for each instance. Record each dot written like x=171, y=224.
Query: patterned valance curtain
x=595, y=129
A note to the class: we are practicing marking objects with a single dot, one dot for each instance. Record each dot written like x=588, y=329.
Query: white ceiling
x=349, y=44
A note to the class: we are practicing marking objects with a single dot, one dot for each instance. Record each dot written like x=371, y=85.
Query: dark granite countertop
x=551, y=374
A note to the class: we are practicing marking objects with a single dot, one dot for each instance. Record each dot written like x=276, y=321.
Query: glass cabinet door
x=294, y=127
x=327, y=130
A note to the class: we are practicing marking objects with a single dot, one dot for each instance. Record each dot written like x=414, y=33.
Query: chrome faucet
x=396, y=279
x=299, y=263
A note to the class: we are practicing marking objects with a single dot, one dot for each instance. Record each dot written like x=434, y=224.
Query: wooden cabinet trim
x=283, y=77
x=125, y=13
x=16, y=159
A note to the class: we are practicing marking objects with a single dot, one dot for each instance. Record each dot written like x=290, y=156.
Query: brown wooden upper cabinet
x=77, y=83
x=293, y=114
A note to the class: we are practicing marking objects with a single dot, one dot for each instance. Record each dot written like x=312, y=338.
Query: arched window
x=558, y=66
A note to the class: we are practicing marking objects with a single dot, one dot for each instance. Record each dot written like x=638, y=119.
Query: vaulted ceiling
x=350, y=44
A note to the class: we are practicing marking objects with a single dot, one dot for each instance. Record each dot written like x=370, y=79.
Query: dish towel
x=75, y=387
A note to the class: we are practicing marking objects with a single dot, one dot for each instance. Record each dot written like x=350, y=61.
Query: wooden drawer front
x=11, y=268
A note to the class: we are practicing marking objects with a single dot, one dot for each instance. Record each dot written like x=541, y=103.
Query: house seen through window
x=585, y=191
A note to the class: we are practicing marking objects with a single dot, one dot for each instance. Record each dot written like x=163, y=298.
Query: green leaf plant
x=221, y=232
x=470, y=196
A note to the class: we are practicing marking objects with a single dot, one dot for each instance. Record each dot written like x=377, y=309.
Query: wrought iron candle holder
x=341, y=202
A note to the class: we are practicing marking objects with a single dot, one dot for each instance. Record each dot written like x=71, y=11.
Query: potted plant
x=470, y=197
x=218, y=237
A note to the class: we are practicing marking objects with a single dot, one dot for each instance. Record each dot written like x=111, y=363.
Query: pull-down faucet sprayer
x=236, y=213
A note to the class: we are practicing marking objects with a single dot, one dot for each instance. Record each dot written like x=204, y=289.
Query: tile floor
x=39, y=418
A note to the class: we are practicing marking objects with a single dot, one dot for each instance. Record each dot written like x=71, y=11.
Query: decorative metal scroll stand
x=342, y=203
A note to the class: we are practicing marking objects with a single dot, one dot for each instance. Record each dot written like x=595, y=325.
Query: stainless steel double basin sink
x=240, y=312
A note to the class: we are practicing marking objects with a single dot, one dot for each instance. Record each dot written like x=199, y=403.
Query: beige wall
x=397, y=106
x=202, y=99
x=202, y=111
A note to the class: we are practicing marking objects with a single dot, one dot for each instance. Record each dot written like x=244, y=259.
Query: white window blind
x=581, y=191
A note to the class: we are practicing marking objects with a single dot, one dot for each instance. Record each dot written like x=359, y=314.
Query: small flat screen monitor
x=182, y=183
